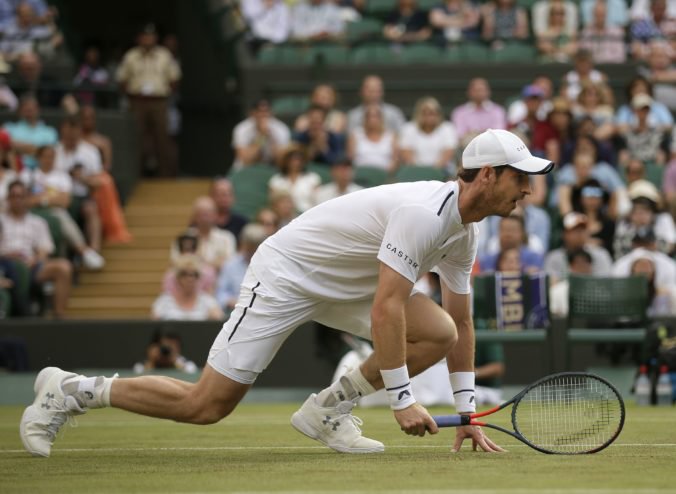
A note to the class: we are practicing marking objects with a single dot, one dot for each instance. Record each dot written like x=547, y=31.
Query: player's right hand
x=415, y=420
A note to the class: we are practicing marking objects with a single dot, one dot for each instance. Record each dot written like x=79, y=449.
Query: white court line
x=292, y=448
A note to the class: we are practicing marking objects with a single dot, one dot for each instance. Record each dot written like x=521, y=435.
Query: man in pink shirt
x=479, y=113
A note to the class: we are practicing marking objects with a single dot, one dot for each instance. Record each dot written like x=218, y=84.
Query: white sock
x=90, y=392
x=349, y=387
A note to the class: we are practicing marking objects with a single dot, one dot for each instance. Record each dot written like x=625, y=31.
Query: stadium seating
x=251, y=188
x=324, y=171
x=414, y=173
x=369, y=176
x=364, y=29
x=515, y=52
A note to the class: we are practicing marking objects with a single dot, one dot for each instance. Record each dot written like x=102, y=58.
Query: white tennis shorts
x=263, y=319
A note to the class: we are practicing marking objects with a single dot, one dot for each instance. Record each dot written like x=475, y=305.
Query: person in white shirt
x=268, y=20
x=341, y=183
x=372, y=92
x=260, y=138
x=316, y=20
x=351, y=264
x=51, y=188
x=215, y=246
x=373, y=144
x=428, y=140
x=295, y=179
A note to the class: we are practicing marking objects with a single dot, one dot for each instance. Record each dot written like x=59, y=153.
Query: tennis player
x=349, y=263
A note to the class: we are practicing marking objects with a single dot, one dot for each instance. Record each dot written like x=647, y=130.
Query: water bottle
x=664, y=389
x=642, y=388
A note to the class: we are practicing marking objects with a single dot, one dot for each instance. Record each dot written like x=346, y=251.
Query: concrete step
x=112, y=254
x=125, y=264
x=121, y=302
x=117, y=289
x=122, y=278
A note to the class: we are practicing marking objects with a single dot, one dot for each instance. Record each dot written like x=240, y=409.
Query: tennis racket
x=570, y=413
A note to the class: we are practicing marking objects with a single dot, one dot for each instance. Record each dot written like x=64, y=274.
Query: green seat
x=595, y=302
x=428, y=4
x=280, y=54
x=370, y=53
x=654, y=173
x=364, y=29
x=475, y=52
x=327, y=53
x=416, y=173
x=290, y=105
x=453, y=54
x=379, y=8
x=251, y=188
x=370, y=176
x=421, y=53
x=321, y=169
x=5, y=304
x=484, y=307
x=23, y=288
x=515, y=52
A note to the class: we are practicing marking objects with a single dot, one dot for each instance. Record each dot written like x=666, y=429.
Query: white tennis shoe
x=51, y=409
x=334, y=427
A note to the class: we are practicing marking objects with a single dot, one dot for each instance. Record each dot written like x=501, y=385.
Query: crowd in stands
x=612, y=30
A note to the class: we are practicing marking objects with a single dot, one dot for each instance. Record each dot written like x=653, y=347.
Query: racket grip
x=451, y=420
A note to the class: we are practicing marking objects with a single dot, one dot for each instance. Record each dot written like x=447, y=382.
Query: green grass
x=256, y=450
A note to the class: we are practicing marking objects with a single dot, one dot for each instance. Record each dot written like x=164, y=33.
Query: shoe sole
x=299, y=423
x=25, y=418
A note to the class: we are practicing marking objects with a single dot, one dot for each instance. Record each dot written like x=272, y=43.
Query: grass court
x=256, y=451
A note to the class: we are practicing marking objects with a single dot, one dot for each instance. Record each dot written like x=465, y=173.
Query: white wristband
x=398, y=388
x=462, y=384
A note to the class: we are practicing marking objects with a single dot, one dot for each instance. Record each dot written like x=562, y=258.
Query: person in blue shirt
x=30, y=133
x=513, y=235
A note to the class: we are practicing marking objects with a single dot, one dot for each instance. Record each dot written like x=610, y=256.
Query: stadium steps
x=156, y=213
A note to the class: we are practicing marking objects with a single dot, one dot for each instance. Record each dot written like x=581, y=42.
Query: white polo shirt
x=334, y=250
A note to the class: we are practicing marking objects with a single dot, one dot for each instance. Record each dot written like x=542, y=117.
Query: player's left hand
x=478, y=439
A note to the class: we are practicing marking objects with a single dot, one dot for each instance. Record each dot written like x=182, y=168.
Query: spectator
x=324, y=96
x=428, y=140
x=44, y=13
x=556, y=132
x=508, y=261
x=316, y=20
x=148, y=74
x=555, y=27
x=518, y=110
x=479, y=113
x=641, y=9
x=591, y=199
x=583, y=73
x=532, y=97
x=26, y=239
x=341, y=183
x=269, y=22
x=320, y=145
x=603, y=39
x=580, y=262
x=260, y=138
x=661, y=72
x=188, y=303
x=656, y=24
x=232, y=273
x=372, y=93
x=28, y=77
x=188, y=244
x=373, y=144
x=585, y=141
x=164, y=352
x=25, y=33
x=644, y=142
x=669, y=182
x=83, y=162
x=51, y=189
x=223, y=195
x=295, y=179
x=536, y=221
x=7, y=168
x=634, y=170
x=662, y=298
x=91, y=76
x=91, y=135
x=503, y=20
x=575, y=237
x=659, y=115
x=645, y=212
x=29, y=132
x=512, y=235
x=595, y=102
x=617, y=14
x=268, y=219
x=281, y=204
x=8, y=100
x=215, y=246
x=456, y=20
x=644, y=245
x=407, y=23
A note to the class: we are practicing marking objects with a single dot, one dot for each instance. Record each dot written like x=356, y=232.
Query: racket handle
x=451, y=420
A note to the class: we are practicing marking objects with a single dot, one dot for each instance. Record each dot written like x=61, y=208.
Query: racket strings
x=569, y=414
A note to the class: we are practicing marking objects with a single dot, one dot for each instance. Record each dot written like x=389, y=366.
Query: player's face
x=510, y=186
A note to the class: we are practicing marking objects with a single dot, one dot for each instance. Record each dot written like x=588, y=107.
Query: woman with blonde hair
x=428, y=140
x=595, y=101
x=371, y=144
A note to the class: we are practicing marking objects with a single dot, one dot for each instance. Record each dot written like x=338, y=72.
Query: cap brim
x=533, y=166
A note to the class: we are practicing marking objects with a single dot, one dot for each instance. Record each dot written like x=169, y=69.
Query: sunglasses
x=188, y=274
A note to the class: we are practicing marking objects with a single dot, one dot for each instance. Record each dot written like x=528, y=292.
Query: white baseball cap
x=496, y=147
